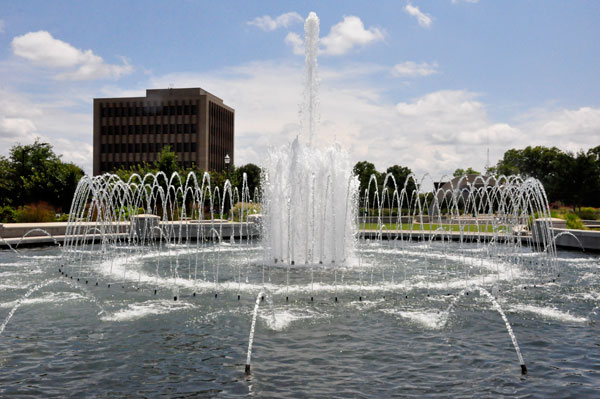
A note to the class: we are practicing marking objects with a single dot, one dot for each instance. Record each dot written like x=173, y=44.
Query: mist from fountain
x=309, y=194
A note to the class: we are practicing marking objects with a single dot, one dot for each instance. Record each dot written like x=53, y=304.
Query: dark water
x=145, y=345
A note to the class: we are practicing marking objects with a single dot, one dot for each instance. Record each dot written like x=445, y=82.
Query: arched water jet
x=10, y=247
x=37, y=230
x=508, y=327
x=565, y=233
x=259, y=297
x=37, y=287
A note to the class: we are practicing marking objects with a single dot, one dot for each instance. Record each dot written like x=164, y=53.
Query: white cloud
x=267, y=23
x=44, y=50
x=423, y=19
x=296, y=42
x=434, y=133
x=411, y=69
x=349, y=33
x=49, y=118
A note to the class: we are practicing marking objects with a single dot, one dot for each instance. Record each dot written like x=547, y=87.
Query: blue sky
x=424, y=84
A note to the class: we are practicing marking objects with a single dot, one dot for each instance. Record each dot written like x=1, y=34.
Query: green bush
x=587, y=213
x=249, y=209
x=7, y=214
x=574, y=222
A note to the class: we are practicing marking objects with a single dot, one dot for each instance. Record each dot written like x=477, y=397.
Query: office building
x=197, y=126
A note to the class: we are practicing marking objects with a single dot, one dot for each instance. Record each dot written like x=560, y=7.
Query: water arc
x=44, y=284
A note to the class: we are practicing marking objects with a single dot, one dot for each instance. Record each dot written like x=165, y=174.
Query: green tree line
x=35, y=183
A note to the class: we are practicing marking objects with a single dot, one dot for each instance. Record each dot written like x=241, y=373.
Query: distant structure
x=197, y=126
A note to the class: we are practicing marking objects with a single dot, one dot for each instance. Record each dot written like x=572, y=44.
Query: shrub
x=574, y=222
x=33, y=213
x=7, y=214
x=249, y=209
x=589, y=213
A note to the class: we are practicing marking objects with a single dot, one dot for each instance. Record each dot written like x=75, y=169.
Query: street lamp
x=227, y=160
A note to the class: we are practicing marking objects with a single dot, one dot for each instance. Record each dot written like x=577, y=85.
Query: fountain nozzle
x=523, y=369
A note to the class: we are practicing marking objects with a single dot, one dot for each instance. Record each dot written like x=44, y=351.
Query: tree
x=167, y=162
x=573, y=179
x=33, y=172
x=461, y=172
x=364, y=170
x=400, y=174
x=253, y=173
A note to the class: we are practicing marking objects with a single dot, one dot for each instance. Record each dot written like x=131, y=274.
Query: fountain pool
x=392, y=334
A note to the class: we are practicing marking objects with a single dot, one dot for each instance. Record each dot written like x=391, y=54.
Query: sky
x=432, y=85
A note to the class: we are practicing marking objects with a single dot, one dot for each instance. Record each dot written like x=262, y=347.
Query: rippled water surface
x=389, y=333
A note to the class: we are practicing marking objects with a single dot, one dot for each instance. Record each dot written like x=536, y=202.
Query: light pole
x=227, y=160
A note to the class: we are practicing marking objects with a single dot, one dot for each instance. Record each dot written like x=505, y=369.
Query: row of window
x=145, y=147
x=108, y=166
x=145, y=129
x=148, y=110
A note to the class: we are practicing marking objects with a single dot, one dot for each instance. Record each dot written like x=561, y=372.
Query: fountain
x=327, y=254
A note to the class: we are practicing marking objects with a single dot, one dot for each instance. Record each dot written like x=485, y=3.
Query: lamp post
x=227, y=160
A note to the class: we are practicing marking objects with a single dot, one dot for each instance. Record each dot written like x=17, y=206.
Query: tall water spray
x=311, y=85
x=310, y=194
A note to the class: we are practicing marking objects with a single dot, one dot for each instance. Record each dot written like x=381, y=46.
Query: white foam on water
x=548, y=313
x=50, y=297
x=433, y=320
x=149, y=308
x=589, y=276
x=366, y=304
x=279, y=320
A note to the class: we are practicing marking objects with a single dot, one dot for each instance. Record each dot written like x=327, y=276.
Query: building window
x=193, y=147
x=193, y=128
x=179, y=128
x=145, y=129
x=186, y=147
x=179, y=110
x=144, y=147
x=172, y=129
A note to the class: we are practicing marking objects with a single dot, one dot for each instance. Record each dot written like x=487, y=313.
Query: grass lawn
x=431, y=227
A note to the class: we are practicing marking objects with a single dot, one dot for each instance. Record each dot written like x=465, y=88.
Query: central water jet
x=310, y=194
